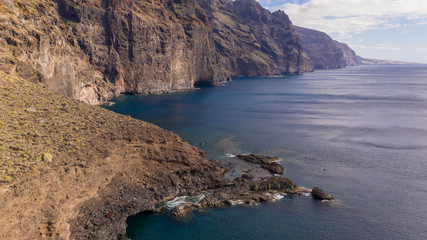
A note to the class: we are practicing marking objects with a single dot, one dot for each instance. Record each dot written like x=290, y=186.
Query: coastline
x=105, y=168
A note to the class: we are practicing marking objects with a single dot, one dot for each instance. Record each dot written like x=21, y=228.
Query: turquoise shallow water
x=360, y=133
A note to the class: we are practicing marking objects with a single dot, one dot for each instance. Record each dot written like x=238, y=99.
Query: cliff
x=321, y=48
x=253, y=41
x=93, y=50
x=349, y=56
x=98, y=49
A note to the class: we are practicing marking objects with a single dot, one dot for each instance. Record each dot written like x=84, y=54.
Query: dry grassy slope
x=105, y=166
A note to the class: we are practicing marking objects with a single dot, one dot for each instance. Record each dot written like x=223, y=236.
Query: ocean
x=359, y=133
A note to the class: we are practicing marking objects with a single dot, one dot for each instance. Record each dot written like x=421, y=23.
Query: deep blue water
x=360, y=133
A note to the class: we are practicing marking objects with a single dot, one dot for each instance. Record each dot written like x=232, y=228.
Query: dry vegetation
x=35, y=121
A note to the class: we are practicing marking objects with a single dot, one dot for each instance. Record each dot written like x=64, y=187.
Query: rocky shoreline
x=246, y=190
x=69, y=170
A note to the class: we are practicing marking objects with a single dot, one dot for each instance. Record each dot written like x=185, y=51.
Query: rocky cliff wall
x=325, y=52
x=349, y=56
x=321, y=48
x=253, y=41
x=93, y=50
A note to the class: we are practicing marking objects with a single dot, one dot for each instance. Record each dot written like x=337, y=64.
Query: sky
x=378, y=29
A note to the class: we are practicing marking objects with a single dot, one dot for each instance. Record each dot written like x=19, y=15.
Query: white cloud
x=342, y=18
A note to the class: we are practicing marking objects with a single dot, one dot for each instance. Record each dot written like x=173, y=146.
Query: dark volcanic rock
x=253, y=41
x=243, y=191
x=268, y=163
x=318, y=193
x=321, y=48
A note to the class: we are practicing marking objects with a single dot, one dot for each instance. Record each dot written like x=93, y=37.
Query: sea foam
x=183, y=200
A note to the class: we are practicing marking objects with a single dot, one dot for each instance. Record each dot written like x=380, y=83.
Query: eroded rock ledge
x=243, y=191
x=269, y=163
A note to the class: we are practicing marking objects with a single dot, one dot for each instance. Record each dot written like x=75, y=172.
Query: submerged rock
x=318, y=193
x=265, y=162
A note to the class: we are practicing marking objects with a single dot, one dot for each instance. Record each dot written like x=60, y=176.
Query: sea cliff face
x=253, y=41
x=321, y=48
x=93, y=50
x=349, y=56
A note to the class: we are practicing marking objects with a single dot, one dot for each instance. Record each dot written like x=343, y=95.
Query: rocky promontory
x=319, y=194
x=269, y=163
x=69, y=170
x=349, y=56
x=321, y=48
x=243, y=191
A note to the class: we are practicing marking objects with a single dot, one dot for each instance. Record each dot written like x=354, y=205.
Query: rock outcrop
x=319, y=194
x=269, y=163
x=325, y=52
x=321, y=48
x=243, y=191
x=253, y=41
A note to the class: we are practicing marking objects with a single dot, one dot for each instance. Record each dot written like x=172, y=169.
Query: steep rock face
x=349, y=56
x=33, y=45
x=93, y=50
x=147, y=46
x=254, y=42
x=321, y=48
